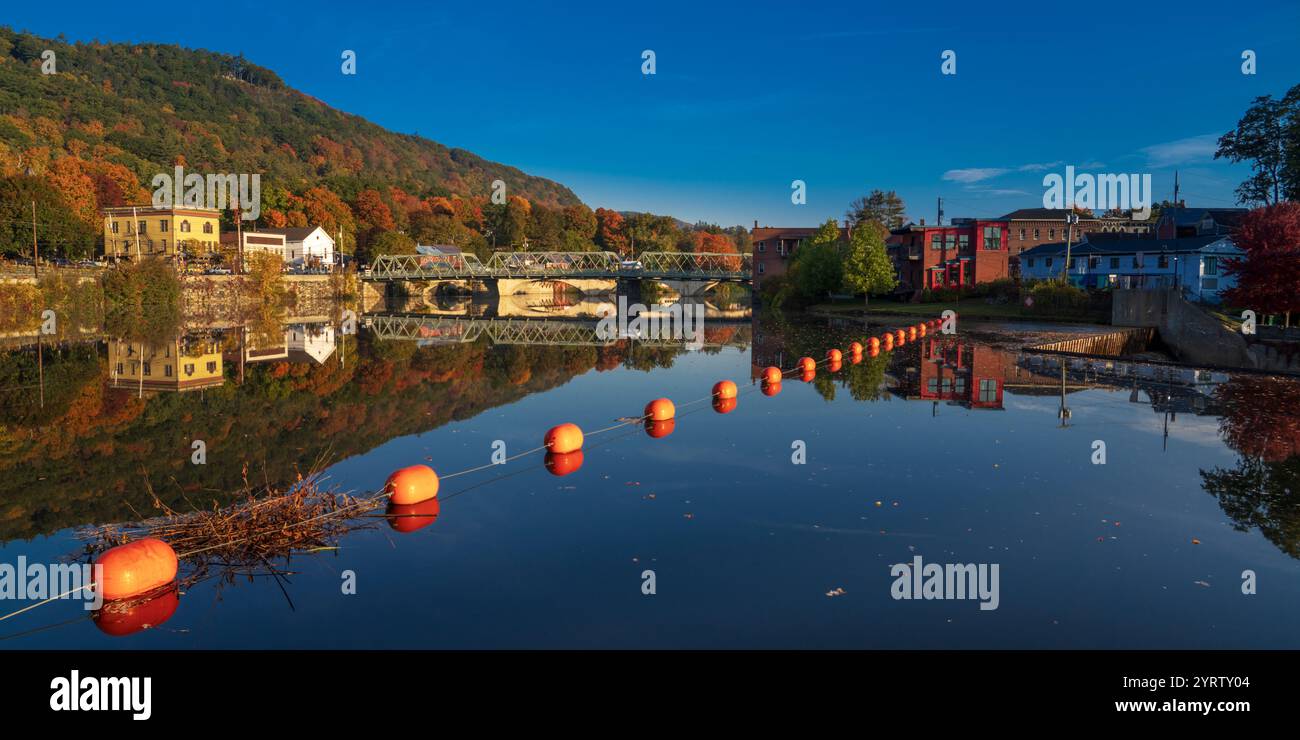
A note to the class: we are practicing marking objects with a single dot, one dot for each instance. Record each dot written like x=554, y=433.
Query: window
x=934, y=241
x=949, y=242
x=1094, y=263
x=1022, y=235
x=1164, y=260
x=113, y=226
x=1137, y=261
x=1047, y=262
x=164, y=245
x=1035, y=234
x=207, y=228
x=147, y=371
x=1114, y=263
x=119, y=368
x=1031, y=261
x=212, y=367
x=992, y=237
x=189, y=369
x=1211, y=265
x=1051, y=233
x=762, y=246
x=162, y=225
x=185, y=227
x=760, y=268
x=167, y=370
x=143, y=229
x=988, y=390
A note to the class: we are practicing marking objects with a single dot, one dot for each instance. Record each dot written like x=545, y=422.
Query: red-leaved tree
x=1268, y=278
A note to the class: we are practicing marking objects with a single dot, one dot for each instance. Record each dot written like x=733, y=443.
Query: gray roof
x=1100, y=244
x=1042, y=214
x=295, y=234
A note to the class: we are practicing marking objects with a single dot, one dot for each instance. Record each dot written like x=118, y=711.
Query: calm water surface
x=952, y=449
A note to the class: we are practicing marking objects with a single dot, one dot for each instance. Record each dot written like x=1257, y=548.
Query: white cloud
x=1183, y=151
x=974, y=174
x=1039, y=166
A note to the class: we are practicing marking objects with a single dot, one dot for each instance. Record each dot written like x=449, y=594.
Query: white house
x=312, y=341
x=309, y=245
x=1194, y=264
x=254, y=241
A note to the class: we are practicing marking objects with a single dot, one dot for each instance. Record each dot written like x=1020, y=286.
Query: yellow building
x=156, y=231
x=179, y=365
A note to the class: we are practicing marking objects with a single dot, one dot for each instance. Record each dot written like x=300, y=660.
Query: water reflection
x=269, y=401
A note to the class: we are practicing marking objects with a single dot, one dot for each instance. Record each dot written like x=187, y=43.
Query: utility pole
x=135, y=226
x=1070, y=221
x=36, y=253
x=239, y=240
x=1176, y=189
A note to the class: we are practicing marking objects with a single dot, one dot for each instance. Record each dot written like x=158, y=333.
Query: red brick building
x=959, y=254
x=773, y=247
x=966, y=375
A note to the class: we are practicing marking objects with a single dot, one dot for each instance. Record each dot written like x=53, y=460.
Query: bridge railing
x=697, y=264
x=683, y=265
x=529, y=264
x=395, y=266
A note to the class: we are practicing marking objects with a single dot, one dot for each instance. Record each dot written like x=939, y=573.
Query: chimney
x=923, y=222
x=756, y=223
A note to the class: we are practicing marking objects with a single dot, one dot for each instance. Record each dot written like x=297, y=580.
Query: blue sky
x=749, y=96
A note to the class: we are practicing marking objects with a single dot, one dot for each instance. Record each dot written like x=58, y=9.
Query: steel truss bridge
x=710, y=266
x=557, y=332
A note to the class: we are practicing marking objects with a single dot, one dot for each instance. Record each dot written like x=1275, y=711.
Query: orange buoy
x=855, y=349
x=771, y=389
x=660, y=409
x=856, y=358
x=135, y=568
x=120, y=620
x=724, y=405
x=921, y=329
x=564, y=438
x=901, y=338
x=834, y=355
x=911, y=334
x=412, y=485
x=874, y=343
x=724, y=389
x=773, y=375
x=874, y=351
x=563, y=463
x=660, y=428
x=808, y=376
x=835, y=366
x=410, y=517
x=888, y=341
x=807, y=364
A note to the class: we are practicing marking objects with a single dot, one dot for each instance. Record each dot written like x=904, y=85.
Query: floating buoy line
x=146, y=569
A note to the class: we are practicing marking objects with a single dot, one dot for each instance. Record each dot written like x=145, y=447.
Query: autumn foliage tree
x=1268, y=277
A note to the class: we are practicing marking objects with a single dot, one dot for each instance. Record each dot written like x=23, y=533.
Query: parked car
x=630, y=265
x=218, y=271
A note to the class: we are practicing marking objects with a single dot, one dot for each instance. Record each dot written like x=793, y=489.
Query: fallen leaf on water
x=836, y=592
x=1201, y=583
x=1195, y=541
